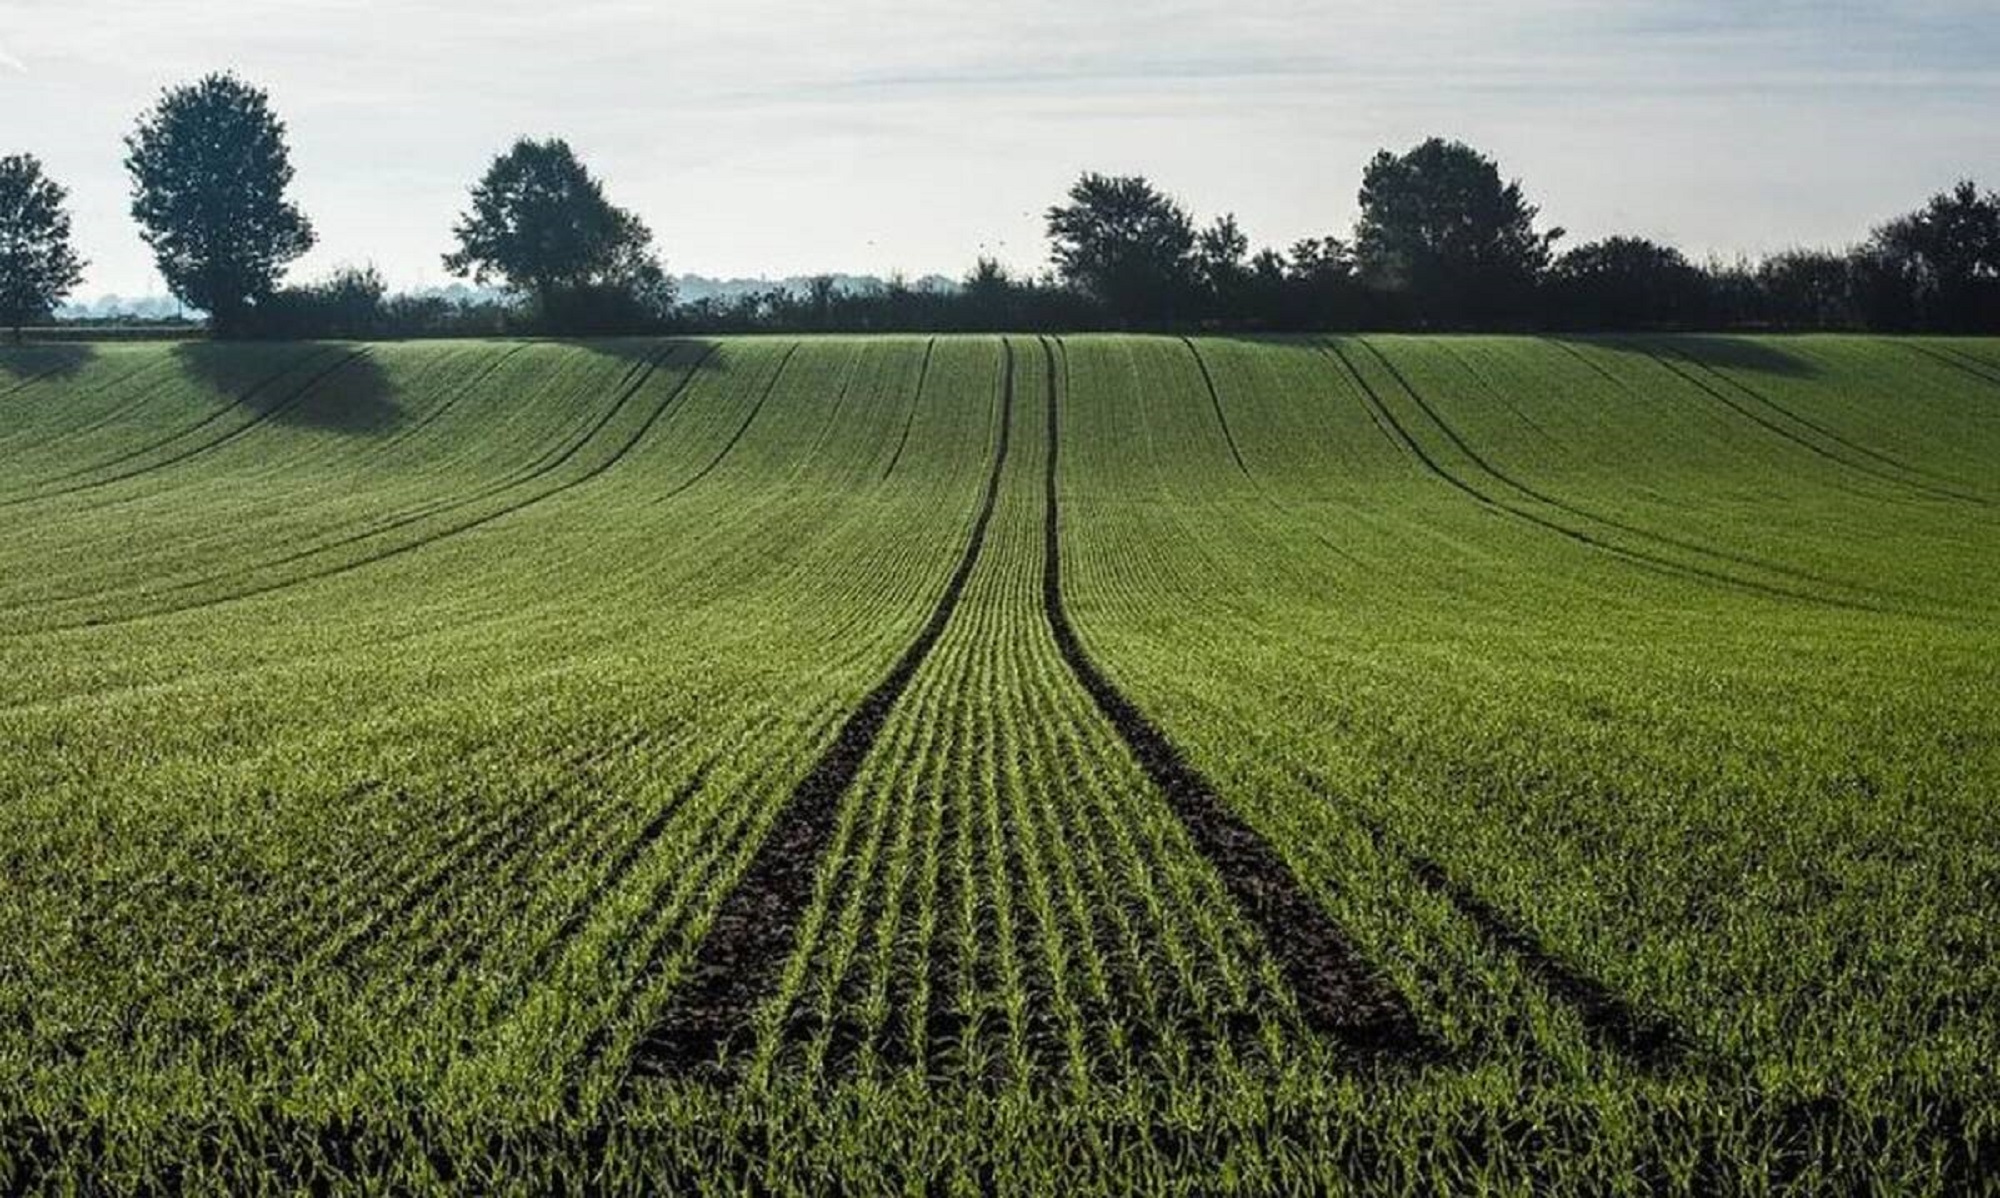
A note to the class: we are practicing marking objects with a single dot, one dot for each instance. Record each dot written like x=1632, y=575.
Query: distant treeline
x=1444, y=242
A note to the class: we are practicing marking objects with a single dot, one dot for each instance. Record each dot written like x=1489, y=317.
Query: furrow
x=1890, y=475
x=1507, y=480
x=395, y=551
x=262, y=417
x=1640, y=560
x=916, y=401
x=752, y=932
x=1338, y=992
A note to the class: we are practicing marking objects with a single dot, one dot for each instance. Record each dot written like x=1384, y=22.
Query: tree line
x=1444, y=241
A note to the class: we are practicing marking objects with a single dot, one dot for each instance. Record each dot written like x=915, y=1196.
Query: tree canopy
x=1626, y=283
x=38, y=268
x=1443, y=240
x=209, y=171
x=1442, y=230
x=1939, y=267
x=540, y=223
x=1126, y=245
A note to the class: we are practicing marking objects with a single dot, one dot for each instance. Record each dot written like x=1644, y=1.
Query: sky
x=786, y=137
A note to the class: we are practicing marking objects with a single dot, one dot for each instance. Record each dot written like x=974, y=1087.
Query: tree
x=1221, y=253
x=540, y=223
x=37, y=266
x=1627, y=283
x=1939, y=266
x=209, y=171
x=347, y=303
x=1317, y=287
x=1807, y=289
x=1442, y=231
x=1126, y=246
x=822, y=293
x=1314, y=259
x=986, y=296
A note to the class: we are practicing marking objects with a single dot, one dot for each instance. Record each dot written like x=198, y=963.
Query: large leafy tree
x=540, y=224
x=1626, y=283
x=209, y=171
x=1938, y=267
x=1805, y=289
x=1222, y=261
x=1125, y=245
x=1440, y=228
x=38, y=267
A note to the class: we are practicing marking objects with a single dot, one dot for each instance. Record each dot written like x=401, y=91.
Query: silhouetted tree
x=1320, y=258
x=1440, y=229
x=821, y=293
x=347, y=303
x=1126, y=246
x=540, y=224
x=1221, y=251
x=1938, y=267
x=37, y=266
x=1806, y=289
x=1626, y=283
x=1320, y=287
x=986, y=297
x=209, y=171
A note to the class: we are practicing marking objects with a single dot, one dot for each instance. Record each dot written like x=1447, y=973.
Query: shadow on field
x=672, y=365
x=1750, y=355
x=338, y=388
x=698, y=354
x=1755, y=355
x=625, y=349
x=34, y=363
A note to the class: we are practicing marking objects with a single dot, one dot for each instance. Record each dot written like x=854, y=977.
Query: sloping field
x=1048, y=765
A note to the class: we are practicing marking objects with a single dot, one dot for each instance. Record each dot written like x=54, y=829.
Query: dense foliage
x=540, y=224
x=1442, y=231
x=1444, y=241
x=1126, y=247
x=38, y=267
x=209, y=171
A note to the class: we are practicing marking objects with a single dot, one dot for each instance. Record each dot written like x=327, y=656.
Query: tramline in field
x=974, y=762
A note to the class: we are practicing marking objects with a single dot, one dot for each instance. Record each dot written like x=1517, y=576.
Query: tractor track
x=752, y=933
x=748, y=419
x=1977, y=366
x=1643, y=1037
x=548, y=463
x=235, y=403
x=106, y=417
x=1397, y=435
x=1215, y=398
x=421, y=542
x=1964, y=364
x=1339, y=993
x=1887, y=473
x=458, y=395
x=916, y=401
x=1507, y=480
x=1830, y=434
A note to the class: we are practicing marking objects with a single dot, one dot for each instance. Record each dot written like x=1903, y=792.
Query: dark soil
x=737, y=961
x=1339, y=993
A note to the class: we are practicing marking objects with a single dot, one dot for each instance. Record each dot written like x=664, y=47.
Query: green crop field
x=965, y=764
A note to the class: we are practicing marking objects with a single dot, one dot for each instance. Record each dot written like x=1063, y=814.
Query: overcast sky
x=784, y=137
